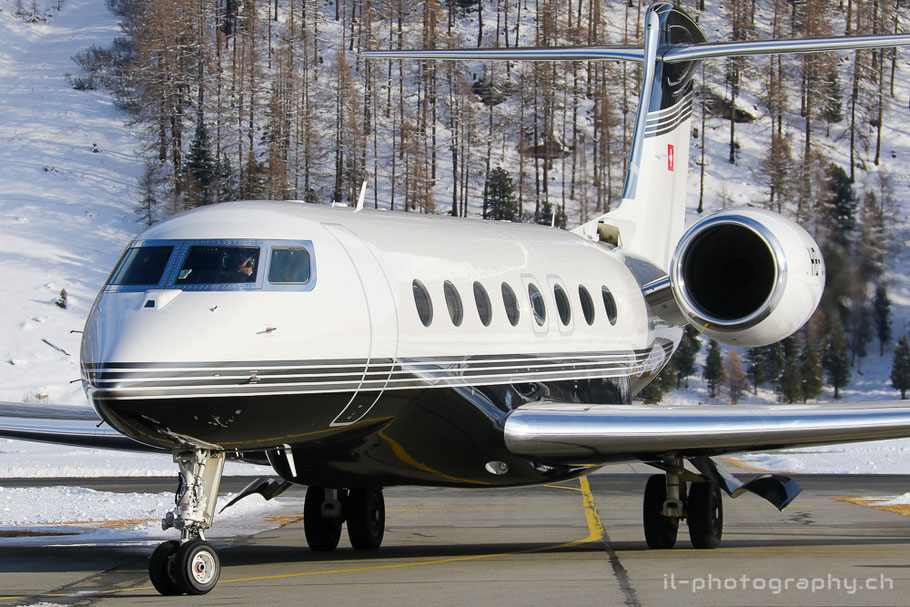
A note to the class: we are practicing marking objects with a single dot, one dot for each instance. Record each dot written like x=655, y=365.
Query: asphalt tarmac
x=576, y=543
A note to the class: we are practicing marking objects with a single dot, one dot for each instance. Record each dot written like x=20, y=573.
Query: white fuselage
x=353, y=331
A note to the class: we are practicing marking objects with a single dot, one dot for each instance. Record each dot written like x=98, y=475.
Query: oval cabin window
x=453, y=302
x=609, y=305
x=423, y=303
x=562, y=305
x=538, y=306
x=511, y=304
x=587, y=304
x=484, y=308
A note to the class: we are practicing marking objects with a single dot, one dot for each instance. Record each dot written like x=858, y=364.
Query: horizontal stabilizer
x=550, y=53
x=711, y=50
x=598, y=434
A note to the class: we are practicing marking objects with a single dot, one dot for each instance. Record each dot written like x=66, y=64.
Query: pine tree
x=734, y=376
x=714, y=368
x=773, y=361
x=811, y=370
x=227, y=188
x=833, y=111
x=544, y=216
x=836, y=360
x=789, y=386
x=900, y=368
x=653, y=393
x=873, y=242
x=861, y=330
x=499, y=196
x=685, y=356
x=776, y=171
x=668, y=376
x=201, y=164
x=840, y=206
x=882, y=313
x=755, y=367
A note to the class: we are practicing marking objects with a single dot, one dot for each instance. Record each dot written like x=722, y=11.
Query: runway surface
x=576, y=543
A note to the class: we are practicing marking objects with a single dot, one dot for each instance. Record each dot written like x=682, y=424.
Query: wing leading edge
x=598, y=434
x=75, y=426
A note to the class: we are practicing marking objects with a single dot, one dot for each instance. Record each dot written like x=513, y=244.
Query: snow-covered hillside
x=68, y=170
x=68, y=189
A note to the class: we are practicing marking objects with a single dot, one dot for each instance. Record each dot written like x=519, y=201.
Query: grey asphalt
x=530, y=546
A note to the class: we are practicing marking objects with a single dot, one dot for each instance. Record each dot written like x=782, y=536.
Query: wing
x=76, y=426
x=598, y=434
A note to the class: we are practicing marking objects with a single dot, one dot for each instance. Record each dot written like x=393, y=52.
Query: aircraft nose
x=123, y=330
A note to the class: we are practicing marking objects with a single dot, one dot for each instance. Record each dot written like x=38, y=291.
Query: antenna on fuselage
x=362, y=197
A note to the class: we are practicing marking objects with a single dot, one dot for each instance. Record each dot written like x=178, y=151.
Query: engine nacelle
x=747, y=277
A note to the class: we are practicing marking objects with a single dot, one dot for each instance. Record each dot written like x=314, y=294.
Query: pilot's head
x=247, y=266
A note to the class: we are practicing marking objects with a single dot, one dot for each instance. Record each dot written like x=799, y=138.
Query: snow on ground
x=20, y=459
x=881, y=457
x=79, y=515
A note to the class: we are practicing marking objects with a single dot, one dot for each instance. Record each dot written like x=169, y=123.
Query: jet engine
x=747, y=277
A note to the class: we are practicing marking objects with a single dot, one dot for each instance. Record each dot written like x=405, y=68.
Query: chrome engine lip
x=700, y=317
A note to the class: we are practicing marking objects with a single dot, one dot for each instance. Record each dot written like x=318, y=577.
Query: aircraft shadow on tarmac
x=237, y=554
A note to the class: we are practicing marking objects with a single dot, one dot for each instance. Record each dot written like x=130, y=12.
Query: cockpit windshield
x=216, y=264
x=289, y=265
x=142, y=266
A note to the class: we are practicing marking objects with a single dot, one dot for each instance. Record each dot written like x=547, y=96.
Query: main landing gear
x=325, y=510
x=667, y=502
x=191, y=565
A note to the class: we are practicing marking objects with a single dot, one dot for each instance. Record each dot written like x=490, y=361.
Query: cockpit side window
x=142, y=267
x=218, y=265
x=289, y=265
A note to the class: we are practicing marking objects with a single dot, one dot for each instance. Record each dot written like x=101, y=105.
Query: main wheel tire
x=705, y=515
x=660, y=530
x=160, y=569
x=365, y=515
x=322, y=533
x=196, y=567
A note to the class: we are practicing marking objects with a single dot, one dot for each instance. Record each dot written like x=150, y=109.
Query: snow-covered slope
x=68, y=170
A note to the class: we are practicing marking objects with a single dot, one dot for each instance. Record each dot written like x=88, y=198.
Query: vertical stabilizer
x=649, y=220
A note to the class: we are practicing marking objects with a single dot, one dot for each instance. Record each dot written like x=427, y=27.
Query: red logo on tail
x=669, y=157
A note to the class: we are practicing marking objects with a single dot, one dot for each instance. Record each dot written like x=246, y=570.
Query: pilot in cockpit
x=245, y=270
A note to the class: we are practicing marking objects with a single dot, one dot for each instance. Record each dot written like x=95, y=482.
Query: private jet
x=350, y=350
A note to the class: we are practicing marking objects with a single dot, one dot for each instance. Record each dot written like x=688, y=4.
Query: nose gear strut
x=190, y=566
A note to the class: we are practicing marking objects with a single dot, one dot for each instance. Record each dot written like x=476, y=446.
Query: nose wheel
x=189, y=568
x=191, y=565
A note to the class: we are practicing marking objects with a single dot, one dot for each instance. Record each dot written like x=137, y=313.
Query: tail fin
x=650, y=218
x=649, y=221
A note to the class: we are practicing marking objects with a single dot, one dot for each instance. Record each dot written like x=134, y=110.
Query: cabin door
x=379, y=304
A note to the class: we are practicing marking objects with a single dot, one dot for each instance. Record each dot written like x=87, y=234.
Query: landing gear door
x=379, y=302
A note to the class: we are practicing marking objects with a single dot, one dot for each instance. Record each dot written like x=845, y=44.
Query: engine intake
x=747, y=277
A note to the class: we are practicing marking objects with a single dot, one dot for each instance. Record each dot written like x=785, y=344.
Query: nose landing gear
x=191, y=565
